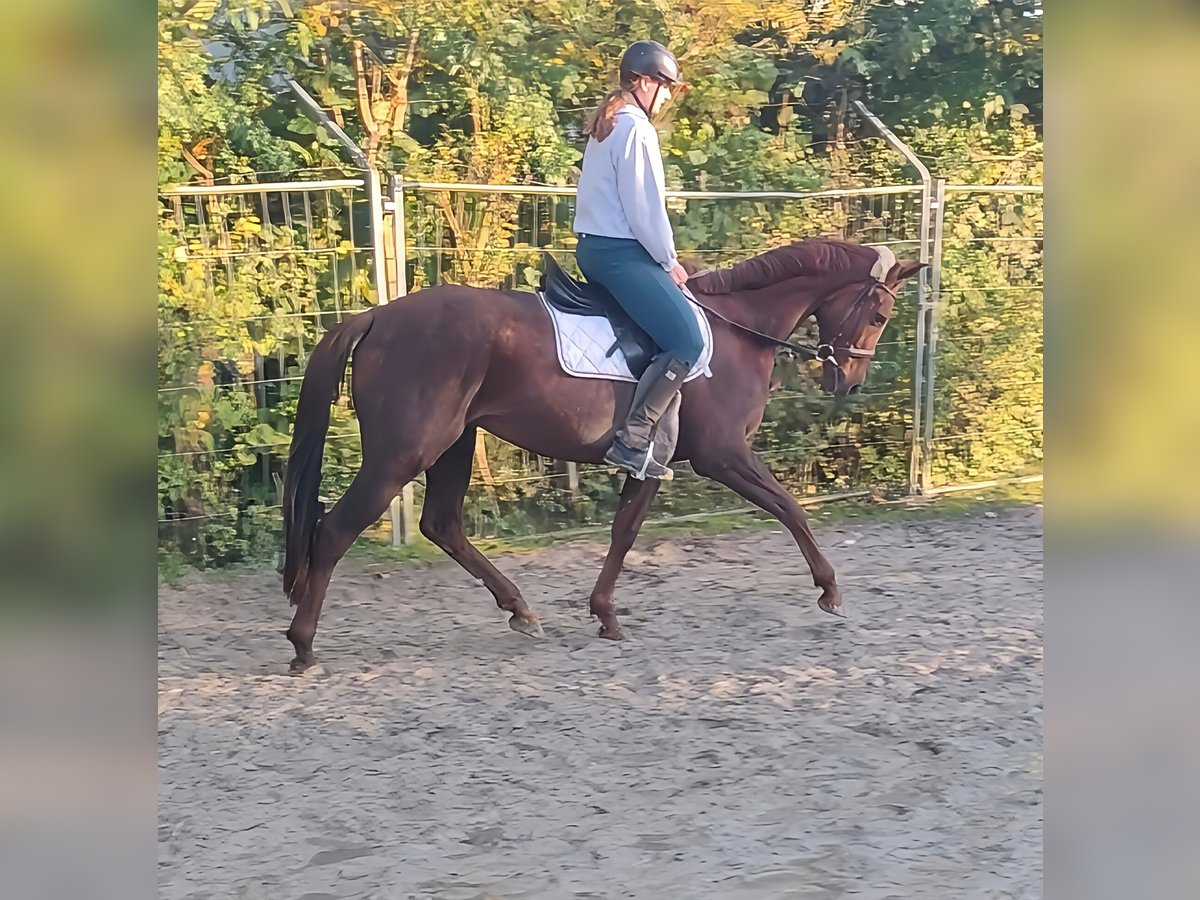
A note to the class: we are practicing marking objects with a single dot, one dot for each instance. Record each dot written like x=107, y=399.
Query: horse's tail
x=321, y=386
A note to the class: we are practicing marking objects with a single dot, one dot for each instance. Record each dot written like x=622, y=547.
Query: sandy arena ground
x=740, y=743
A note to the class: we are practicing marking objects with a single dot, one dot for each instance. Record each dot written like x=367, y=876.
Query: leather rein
x=823, y=352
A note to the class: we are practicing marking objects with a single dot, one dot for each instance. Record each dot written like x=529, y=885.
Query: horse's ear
x=904, y=270
x=691, y=265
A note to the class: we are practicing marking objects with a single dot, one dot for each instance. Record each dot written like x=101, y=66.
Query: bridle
x=824, y=352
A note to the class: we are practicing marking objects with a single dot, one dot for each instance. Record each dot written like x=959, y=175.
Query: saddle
x=582, y=298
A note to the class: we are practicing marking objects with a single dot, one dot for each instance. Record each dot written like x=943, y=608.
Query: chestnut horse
x=432, y=368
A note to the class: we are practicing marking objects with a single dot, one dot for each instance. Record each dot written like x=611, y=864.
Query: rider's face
x=653, y=94
x=662, y=94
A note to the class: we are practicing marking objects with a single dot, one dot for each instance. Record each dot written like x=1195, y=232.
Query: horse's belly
x=553, y=432
x=554, y=416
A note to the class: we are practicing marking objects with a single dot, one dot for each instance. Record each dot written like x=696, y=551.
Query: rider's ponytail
x=601, y=120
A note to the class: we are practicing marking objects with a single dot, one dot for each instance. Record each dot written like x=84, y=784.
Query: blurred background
x=77, y=337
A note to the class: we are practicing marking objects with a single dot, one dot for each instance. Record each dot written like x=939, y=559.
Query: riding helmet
x=652, y=59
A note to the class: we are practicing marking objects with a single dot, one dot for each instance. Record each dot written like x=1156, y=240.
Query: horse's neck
x=776, y=310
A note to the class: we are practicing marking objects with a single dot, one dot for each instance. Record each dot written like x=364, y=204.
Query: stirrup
x=641, y=473
x=649, y=468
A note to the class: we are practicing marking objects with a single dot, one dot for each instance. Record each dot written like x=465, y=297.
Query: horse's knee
x=333, y=539
x=440, y=531
x=432, y=529
x=324, y=543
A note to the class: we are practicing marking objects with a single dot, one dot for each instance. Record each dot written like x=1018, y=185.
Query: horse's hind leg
x=360, y=507
x=442, y=522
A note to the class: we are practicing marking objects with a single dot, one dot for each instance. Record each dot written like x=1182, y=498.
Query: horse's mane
x=815, y=256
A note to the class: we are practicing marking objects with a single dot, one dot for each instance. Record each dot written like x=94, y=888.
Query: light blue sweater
x=621, y=190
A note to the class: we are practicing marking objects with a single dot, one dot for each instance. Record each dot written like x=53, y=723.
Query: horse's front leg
x=636, y=497
x=743, y=472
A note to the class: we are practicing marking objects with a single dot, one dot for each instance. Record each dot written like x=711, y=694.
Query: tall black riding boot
x=634, y=447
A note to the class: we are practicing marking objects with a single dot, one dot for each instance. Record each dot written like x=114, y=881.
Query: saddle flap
x=578, y=298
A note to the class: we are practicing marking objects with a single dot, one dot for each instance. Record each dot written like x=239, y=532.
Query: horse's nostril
x=854, y=389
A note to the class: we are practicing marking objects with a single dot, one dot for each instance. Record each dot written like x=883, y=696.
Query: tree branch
x=366, y=115
x=456, y=229
x=399, y=106
x=203, y=171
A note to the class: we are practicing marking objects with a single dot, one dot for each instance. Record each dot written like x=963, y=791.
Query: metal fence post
x=935, y=293
x=396, y=189
x=916, y=465
x=403, y=508
x=378, y=254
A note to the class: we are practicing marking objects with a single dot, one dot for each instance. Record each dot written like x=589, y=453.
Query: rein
x=823, y=352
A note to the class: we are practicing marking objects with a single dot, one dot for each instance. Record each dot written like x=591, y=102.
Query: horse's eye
x=879, y=320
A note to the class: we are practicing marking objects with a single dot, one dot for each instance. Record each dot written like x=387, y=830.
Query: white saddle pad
x=583, y=343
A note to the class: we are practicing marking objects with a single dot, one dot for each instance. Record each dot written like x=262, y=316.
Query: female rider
x=625, y=244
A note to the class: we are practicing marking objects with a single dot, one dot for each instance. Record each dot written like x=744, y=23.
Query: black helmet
x=652, y=59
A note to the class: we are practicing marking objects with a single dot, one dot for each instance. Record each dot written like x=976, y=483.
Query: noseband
x=826, y=352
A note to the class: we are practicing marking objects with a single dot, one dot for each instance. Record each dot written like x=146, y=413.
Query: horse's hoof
x=528, y=626
x=612, y=634
x=302, y=664
x=834, y=609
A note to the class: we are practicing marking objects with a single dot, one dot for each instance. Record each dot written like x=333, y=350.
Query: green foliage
x=496, y=91
x=213, y=90
x=241, y=302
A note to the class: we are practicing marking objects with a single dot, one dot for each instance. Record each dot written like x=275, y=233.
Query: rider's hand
x=678, y=274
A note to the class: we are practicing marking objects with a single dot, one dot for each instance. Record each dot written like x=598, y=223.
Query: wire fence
x=985, y=393
x=252, y=275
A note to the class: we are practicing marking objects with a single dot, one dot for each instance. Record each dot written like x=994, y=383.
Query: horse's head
x=852, y=318
x=850, y=289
